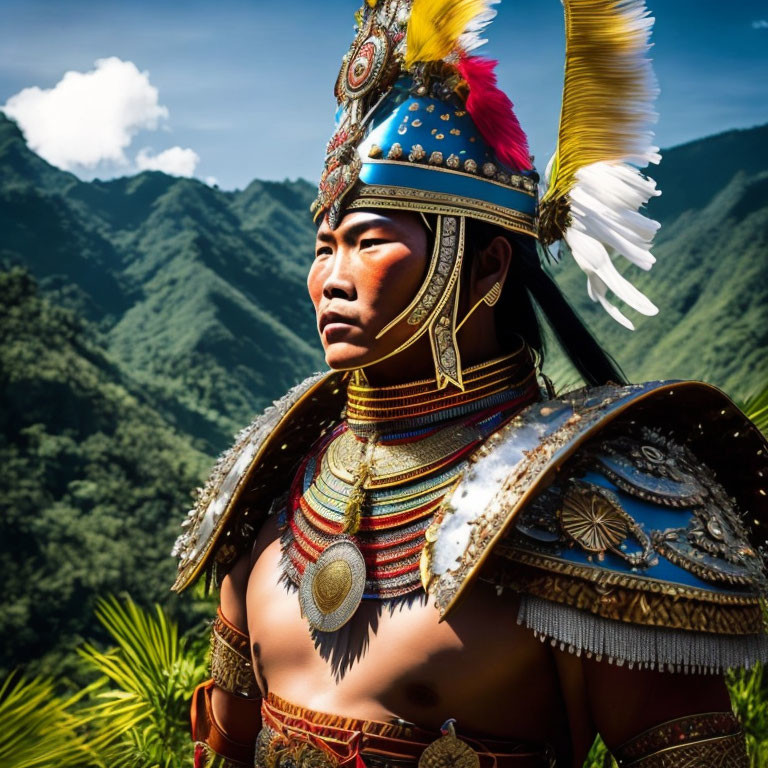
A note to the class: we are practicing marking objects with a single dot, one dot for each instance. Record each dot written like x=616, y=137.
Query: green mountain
x=92, y=484
x=145, y=319
x=710, y=281
x=198, y=294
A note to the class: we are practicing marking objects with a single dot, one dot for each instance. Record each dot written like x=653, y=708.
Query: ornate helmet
x=422, y=126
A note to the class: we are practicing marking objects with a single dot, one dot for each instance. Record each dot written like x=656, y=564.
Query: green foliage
x=40, y=730
x=135, y=715
x=756, y=407
x=92, y=485
x=599, y=756
x=749, y=698
x=139, y=717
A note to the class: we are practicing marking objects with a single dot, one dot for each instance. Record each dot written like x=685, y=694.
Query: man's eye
x=323, y=251
x=371, y=242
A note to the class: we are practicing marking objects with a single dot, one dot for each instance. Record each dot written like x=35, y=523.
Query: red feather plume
x=491, y=111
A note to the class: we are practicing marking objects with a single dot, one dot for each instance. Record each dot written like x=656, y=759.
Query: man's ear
x=490, y=266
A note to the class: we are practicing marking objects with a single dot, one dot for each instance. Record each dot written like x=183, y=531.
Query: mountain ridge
x=146, y=319
x=177, y=276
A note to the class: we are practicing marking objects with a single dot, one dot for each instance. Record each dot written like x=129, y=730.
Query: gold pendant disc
x=333, y=586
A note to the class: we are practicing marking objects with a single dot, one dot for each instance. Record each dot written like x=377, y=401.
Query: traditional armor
x=231, y=667
x=600, y=506
x=628, y=519
x=622, y=525
x=297, y=736
x=213, y=747
x=231, y=671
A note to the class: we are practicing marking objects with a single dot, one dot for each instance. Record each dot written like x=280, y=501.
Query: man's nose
x=339, y=283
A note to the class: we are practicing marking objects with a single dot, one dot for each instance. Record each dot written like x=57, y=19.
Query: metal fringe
x=672, y=650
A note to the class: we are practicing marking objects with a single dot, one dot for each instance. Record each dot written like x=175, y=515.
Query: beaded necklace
x=362, y=503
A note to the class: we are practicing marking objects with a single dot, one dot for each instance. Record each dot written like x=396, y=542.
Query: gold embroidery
x=638, y=607
x=593, y=521
x=231, y=667
x=711, y=739
x=619, y=579
x=394, y=462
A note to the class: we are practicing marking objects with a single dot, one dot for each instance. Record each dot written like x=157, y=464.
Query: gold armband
x=710, y=739
x=231, y=667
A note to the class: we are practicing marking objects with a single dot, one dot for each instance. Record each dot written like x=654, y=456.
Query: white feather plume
x=604, y=141
x=605, y=221
x=471, y=38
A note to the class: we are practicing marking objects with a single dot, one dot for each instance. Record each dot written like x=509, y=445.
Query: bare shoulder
x=268, y=533
x=232, y=592
x=234, y=585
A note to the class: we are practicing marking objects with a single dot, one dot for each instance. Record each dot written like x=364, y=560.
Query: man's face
x=365, y=273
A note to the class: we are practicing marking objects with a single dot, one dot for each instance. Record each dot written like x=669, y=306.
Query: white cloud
x=211, y=181
x=88, y=117
x=760, y=24
x=175, y=161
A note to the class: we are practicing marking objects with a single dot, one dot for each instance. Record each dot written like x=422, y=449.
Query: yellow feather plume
x=435, y=26
x=608, y=90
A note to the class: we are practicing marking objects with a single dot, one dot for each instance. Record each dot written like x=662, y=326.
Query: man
x=395, y=538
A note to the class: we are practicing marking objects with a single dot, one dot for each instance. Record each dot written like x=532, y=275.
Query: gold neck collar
x=491, y=382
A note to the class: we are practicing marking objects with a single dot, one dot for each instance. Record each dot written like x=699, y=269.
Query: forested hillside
x=92, y=481
x=198, y=293
x=143, y=320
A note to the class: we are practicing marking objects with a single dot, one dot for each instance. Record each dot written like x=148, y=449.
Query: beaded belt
x=296, y=737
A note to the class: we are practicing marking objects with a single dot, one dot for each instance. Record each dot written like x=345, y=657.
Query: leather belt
x=296, y=737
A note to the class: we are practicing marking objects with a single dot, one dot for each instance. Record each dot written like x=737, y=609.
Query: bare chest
x=395, y=660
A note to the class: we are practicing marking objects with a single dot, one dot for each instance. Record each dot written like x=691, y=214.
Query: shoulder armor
x=619, y=506
x=256, y=470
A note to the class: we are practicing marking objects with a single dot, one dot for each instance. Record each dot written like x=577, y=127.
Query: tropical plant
x=139, y=716
x=756, y=407
x=599, y=756
x=40, y=730
x=749, y=699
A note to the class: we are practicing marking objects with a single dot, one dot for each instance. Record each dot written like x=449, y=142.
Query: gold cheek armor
x=232, y=672
x=434, y=308
x=710, y=740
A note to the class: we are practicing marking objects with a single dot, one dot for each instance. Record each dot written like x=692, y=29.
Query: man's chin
x=343, y=357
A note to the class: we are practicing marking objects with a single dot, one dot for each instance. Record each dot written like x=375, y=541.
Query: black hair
x=528, y=293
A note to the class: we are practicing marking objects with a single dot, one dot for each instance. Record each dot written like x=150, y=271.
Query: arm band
x=213, y=748
x=232, y=672
x=710, y=739
x=231, y=667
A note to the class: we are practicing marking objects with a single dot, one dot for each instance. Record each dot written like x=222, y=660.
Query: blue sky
x=247, y=84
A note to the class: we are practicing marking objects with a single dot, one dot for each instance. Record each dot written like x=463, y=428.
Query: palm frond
x=139, y=716
x=749, y=699
x=756, y=408
x=39, y=729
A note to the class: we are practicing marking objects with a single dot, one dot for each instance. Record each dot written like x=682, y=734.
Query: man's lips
x=330, y=321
